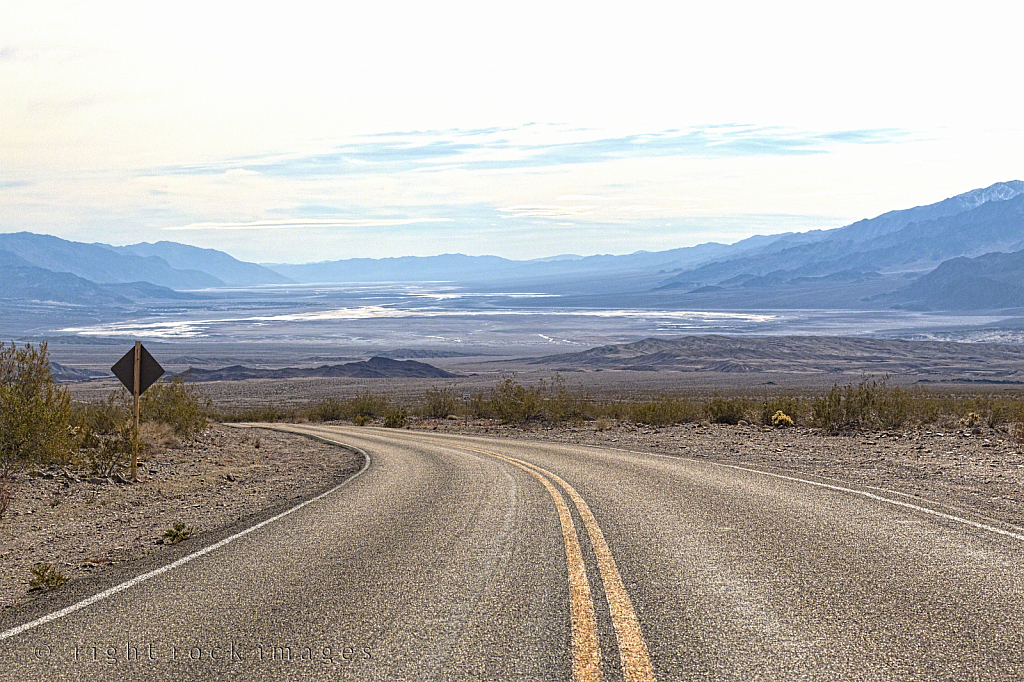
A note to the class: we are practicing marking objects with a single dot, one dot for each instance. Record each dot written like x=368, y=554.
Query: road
x=467, y=558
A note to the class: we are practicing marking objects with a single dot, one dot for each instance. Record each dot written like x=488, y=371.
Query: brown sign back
x=149, y=370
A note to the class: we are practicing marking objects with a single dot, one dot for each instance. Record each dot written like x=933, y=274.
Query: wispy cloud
x=306, y=223
x=537, y=146
x=547, y=211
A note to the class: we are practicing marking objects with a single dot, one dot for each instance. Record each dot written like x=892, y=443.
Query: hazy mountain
x=917, y=239
x=30, y=283
x=601, y=273
x=225, y=268
x=38, y=284
x=990, y=281
x=101, y=263
x=862, y=264
x=447, y=267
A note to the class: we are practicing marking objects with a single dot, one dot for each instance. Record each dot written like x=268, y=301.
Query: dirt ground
x=82, y=524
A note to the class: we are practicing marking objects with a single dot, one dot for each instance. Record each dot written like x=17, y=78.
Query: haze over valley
x=946, y=271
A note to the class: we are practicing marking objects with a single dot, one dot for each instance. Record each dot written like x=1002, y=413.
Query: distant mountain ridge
x=869, y=263
x=100, y=263
x=918, y=239
x=225, y=268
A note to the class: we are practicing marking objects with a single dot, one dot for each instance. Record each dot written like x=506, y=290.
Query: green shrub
x=183, y=407
x=35, y=412
x=396, y=418
x=790, y=406
x=892, y=407
x=726, y=410
x=367, y=405
x=565, y=405
x=438, y=403
x=266, y=413
x=176, y=533
x=46, y=577
x=114, y=451
x=870, y=404
x=513, y=403
x=360, y=420
x=328, y=410
x=102, y=417
x=665, y=412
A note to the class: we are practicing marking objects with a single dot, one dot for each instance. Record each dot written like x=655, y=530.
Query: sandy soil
x=82, y=525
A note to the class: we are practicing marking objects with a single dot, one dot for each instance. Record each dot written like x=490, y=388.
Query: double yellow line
x=636, y=663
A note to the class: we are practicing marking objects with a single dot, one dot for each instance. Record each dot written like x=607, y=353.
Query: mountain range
x=965, y=253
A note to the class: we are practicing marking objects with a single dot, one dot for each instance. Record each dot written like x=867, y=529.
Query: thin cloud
x=537, y=147
x=547, y=211
x=307, y=223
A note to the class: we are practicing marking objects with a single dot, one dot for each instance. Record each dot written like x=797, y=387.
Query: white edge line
x=185, y=559
x=839, y=488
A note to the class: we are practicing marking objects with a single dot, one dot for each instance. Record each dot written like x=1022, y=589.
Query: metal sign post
x=137, y=370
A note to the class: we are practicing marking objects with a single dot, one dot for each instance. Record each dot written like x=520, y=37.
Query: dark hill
x=374, y=368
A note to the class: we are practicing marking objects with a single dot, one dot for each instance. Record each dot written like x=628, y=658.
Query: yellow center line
x=586, y=665
x=636, y=662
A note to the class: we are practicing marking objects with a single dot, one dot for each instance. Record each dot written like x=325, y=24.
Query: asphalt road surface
x=462, y=558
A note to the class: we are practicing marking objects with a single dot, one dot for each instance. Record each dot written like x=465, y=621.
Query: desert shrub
x=438, y=403
x=513, y=403
x=602, y=424
x=360, y=420
x=266, y=413
x=781, y=419
x=114, y=451
x=792, y=407
x=177, y=533
x=726, y=410
x=366, y=405
x=35, y=412
x=868, y=405
x=101, y=417
x=46, y=577
x=617, y=410
x=565, y=404
x=970, y=420
x=892, y=407
x=665, y=412
x=183, y=407
x=328, y=410
x=396, y=418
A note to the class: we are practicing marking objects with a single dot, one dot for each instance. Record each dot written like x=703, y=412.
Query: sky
x=310, y=131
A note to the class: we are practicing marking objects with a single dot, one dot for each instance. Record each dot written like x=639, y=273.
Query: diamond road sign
x=149, y=370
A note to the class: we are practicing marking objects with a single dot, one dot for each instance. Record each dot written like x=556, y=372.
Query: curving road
x=463, y=558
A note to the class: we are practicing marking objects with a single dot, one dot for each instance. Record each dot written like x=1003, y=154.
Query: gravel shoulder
x=972, y=471
x=81, y=525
